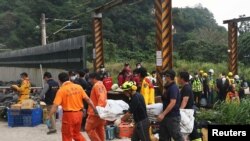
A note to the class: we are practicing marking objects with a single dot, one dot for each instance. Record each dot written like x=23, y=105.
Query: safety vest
x=197, y=86
x=231, y=81
x=211, y=83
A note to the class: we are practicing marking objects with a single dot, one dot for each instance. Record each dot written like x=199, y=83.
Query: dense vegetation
x=229, y=114
x=129, y=30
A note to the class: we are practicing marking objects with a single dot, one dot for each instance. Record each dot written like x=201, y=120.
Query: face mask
x=102, y=69
x=77, y=76
x=196, y=76
x=138, y=67
x=73, y=77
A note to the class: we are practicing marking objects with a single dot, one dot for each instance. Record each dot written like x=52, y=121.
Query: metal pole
x=158, y=22
x=43, y=29
x=41, y=69
x=167, y=45
x=233, y=48
x=98, y=41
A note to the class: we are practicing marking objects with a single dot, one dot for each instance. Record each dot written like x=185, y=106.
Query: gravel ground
x=37, y=133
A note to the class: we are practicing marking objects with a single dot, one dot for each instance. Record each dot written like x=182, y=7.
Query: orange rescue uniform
x=70, y=96
x=95, y=125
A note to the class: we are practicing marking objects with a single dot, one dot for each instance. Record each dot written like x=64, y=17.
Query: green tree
x=244, y=48
x=128, y=29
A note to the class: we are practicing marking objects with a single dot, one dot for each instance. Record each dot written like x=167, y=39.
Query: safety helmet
x=201, y=71
x=129, y=85
x=204, y=74
x=236, y=77
x=230, y=74
x=211, y=71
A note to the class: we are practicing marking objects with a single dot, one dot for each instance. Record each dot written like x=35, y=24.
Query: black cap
x=102, y=66
x=170, y=73
x=47, y=74
x=72, y=73
x=24, y=74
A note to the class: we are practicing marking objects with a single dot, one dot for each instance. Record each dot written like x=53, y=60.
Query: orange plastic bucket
x=125, y=130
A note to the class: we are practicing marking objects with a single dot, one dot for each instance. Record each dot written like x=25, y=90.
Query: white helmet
x=236, y=77
x=211, y=71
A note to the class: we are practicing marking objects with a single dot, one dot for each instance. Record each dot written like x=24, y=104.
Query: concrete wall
x=13, y=74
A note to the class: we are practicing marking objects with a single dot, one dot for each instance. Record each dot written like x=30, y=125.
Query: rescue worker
x=232, y=95
x=86, y=76
x=24, y=89
x=222, y=86
x=197, y=89
x=70, y=96
x=243, y=86
x=187, y=96
x=72, y=76
x=136, y=79
x=211, y=86
x=201, y=72
x=102, y=72
x=137, y=107
x=205, y=84
x=230, y=78
x=147, y=88
x=95, y=125
x=81, y=80
x=87, y=88
x=138, y=67
x=238, y=82
x=152, y=77
x=49, y=92
x=125, y=74
x=170, y=117
x=187, y=101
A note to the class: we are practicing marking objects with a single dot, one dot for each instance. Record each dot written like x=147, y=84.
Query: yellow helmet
x=230, y=74
x=201, y=71
x=129, y=85
x=204, y=75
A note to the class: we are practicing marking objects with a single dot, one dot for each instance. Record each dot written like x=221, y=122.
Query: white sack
x=112, y=110
x=187, y=120
x=154, y=109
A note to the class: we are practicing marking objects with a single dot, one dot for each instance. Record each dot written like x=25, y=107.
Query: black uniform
x=137, y=107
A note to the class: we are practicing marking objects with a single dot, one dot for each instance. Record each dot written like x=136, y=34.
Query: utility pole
x=232, y=43
x=164, y=38
x=98, y=53
x=43, y=30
